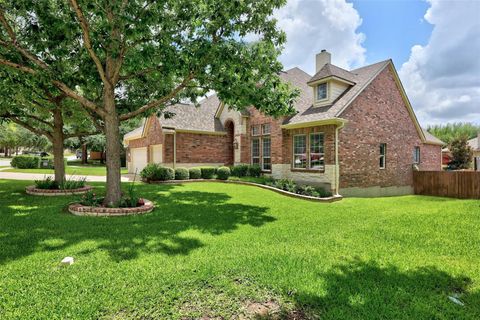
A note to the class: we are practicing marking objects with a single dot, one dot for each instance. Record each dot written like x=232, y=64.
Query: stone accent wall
x=379, y=115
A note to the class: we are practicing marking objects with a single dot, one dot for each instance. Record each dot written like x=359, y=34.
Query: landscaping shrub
x=25, y=162
x=195, y=173
x=46, y=184
x=240, y=170
x=207, y=172
x=156, y=172
x=308, y=191
x=73, y=183
x=90, y=199
x=254, y=170
x=223, y=173
x=322, y=193
x=181, y=174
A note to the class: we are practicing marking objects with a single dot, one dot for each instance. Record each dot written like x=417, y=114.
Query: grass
x=79, y=170
x=212, y=249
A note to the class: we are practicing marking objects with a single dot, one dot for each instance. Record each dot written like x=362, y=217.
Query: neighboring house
x=446, y=157
x=475, y=145
x=354, y=133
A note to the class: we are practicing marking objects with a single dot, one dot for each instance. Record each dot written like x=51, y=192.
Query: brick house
x=354, y=133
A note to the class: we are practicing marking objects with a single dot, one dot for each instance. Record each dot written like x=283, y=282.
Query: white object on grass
x=455, y=300
x=67, y=260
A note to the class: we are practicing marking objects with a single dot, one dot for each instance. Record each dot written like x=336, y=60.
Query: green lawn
x=212, y=250
x=79, y=170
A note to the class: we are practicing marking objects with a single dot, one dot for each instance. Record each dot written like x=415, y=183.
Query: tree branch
x=17, y=66
x=14, y=42
x=30, y=128
x=157, y=102
x=138, y=74
x=87, y=43
x=81, y=134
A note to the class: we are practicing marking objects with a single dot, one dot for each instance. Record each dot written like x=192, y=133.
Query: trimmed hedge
x=207, y=172
x=156, y=172
x=182, y=174
x=195, y=173
x=254, y=171
x=25, y=162
x=240, y=170
x=223, y=173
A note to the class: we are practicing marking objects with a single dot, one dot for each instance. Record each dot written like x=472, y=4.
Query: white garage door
x=139, y=159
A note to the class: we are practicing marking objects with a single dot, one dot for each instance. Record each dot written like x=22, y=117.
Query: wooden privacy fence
x=455, y=184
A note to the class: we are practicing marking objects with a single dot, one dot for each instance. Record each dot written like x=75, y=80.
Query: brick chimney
x=322, y=59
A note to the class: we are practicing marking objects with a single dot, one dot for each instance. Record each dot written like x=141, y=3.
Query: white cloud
x=442, y=78
x=313, y=25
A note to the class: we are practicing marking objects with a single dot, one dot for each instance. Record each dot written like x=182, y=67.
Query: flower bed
x=57, y=192
x=286, y=193
x=81, y=210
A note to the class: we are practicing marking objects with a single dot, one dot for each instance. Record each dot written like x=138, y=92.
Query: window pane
x=317, y=160
x=299, y=144
x=266, y=147
x=322, y=91
x=266, y=128
x=267, y=164
x=383, y=157
x=256, y=151
x=300, y=151
x=255, y=130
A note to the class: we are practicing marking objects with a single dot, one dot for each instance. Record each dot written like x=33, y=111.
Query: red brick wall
x=201, y=148
x=430, y=157
x=154, y=135
x=379, y=115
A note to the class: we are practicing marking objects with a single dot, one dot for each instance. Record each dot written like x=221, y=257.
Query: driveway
x=4, y=162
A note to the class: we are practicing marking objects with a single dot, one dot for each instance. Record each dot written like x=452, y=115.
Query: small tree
x=461, y=153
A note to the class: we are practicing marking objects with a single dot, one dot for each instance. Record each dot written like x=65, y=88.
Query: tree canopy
x=451, y=131
x=123, y=59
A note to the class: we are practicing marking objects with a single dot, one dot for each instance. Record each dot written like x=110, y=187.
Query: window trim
x=326, y=90
x=259, y=133
x=263, y=156
x=384, y=156
x=306, y=151
x=415, y=159
x=260, y=137
x=310, y=151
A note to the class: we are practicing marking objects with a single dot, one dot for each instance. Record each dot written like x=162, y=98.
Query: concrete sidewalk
x=39, y=176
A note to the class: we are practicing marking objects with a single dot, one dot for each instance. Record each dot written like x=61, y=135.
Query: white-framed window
x=256, y=130
x=416, y=154
x=266, y=154
x=322, y=91
x=300, y=151
x=256, y=151
x=317, y=153
x=266, y=128
x=383, y=156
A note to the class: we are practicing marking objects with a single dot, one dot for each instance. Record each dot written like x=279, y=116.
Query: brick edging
x=286, y=193
x=56, y=192
x=81, y=210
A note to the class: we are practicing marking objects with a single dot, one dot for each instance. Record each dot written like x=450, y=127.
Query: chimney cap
x=324, y=50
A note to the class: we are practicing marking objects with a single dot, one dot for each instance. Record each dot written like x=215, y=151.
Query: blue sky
x=435, y=45
x=392, y=28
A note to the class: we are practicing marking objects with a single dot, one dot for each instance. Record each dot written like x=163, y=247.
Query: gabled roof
x=329, y=70
x=430, y=138
x=474, y=143
x=307, y=112
x=188, y=117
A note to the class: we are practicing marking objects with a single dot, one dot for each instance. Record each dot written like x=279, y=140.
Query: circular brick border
x=56, y=192
x=81, y=210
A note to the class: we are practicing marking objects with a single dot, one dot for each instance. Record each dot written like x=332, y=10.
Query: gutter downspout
x=337, y=165
x=174, y=149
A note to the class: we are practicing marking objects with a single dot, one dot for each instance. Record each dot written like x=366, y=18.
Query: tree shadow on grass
x=31, y=224
x=365, y=290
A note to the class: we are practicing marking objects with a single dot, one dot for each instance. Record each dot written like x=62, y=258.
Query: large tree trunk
x=57, y=143
x=112, y=137
x=84, y=153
